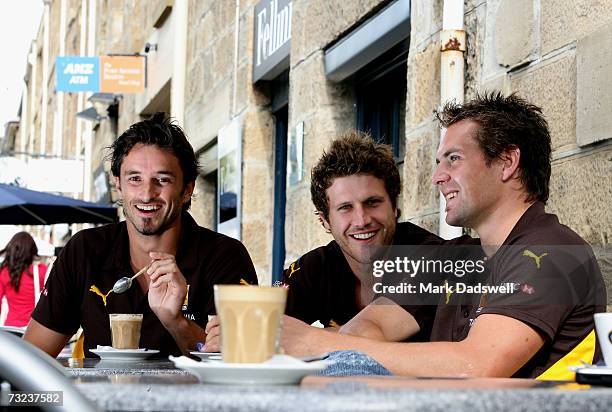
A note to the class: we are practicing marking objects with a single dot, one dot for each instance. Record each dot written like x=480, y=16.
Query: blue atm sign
x=77, y=74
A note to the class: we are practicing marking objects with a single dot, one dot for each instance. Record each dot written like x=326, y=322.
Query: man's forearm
x=408, y=359
x=186, y=334
x=44, y=338
x=497, y=346
x=382, y=320
x=363, y=328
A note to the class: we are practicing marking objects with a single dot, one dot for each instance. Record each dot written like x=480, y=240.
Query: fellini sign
x=106, y=74
x=272, y=38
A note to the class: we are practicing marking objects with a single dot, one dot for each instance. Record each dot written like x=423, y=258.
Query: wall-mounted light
x=90, y=114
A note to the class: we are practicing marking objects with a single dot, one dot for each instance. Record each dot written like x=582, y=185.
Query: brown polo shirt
x=322, y=285
x=558, y=288
x=100, y=257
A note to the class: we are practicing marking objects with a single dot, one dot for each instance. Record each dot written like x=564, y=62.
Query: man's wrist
x=183, y=334
x=176, y=324
x=318, y=339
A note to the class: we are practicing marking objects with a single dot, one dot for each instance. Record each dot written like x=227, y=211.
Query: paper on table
x=317, y=324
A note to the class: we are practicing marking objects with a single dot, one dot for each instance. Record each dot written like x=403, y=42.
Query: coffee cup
x=603, y=326
x=250, y=319
x=125, y=330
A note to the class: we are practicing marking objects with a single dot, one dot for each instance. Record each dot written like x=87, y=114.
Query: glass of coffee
x=125, y=330
x=250, y=319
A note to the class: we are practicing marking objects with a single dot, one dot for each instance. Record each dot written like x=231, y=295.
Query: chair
x=13, y=330
x=30, y=369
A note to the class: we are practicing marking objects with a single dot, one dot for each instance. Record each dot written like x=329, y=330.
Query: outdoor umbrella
x=19, y=206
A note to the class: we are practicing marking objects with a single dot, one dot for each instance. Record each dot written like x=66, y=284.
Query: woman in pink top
x=17, y=281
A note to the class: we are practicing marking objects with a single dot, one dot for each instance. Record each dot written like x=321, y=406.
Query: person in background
x=154, y=169
x=21, y=278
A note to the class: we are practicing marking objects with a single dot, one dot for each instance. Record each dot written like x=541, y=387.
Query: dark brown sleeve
x=302, y=279
x=547, y=293
x=232, y=264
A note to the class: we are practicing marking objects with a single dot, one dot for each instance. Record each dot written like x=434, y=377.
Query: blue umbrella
x=19, y=206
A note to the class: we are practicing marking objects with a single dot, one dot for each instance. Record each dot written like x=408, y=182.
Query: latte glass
x=250, y=318
x=125, y=330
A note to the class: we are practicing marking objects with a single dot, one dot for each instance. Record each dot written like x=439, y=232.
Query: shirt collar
x=525, y=222
x=120, y=252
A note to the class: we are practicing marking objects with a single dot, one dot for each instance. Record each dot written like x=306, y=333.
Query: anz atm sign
x=77, y=74
x=107, y=74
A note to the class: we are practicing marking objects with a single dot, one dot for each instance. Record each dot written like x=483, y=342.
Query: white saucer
x=207, y=355
x=124, y=354
x=280, y=370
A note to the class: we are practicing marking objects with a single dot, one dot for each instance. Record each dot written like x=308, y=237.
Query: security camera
x=150, y=46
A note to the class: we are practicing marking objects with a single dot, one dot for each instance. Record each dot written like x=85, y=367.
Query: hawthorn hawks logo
x=527, y=288
x=280, y=284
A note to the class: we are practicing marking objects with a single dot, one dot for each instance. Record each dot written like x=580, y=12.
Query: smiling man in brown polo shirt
x=155, y=169
x=494, y=171
x=354, y=188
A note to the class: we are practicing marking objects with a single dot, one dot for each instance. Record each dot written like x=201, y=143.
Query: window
x=280, y=111
x=204, y=203
x=381, y=98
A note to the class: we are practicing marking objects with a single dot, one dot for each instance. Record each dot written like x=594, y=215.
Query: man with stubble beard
x=154, y=169
x=354, y=187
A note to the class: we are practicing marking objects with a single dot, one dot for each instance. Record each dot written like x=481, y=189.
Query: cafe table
x=158, y=385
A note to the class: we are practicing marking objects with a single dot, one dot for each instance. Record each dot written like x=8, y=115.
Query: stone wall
x=419, y=200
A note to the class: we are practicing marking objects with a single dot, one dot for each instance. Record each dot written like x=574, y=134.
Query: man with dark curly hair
x=534, y=314
x=354, y=188
x=154, y=168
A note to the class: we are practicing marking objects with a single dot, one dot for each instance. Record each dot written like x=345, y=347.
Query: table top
x=143, y=372
x=157, y=384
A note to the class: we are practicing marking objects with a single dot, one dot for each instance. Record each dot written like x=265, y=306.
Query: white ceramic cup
x=603, y=326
